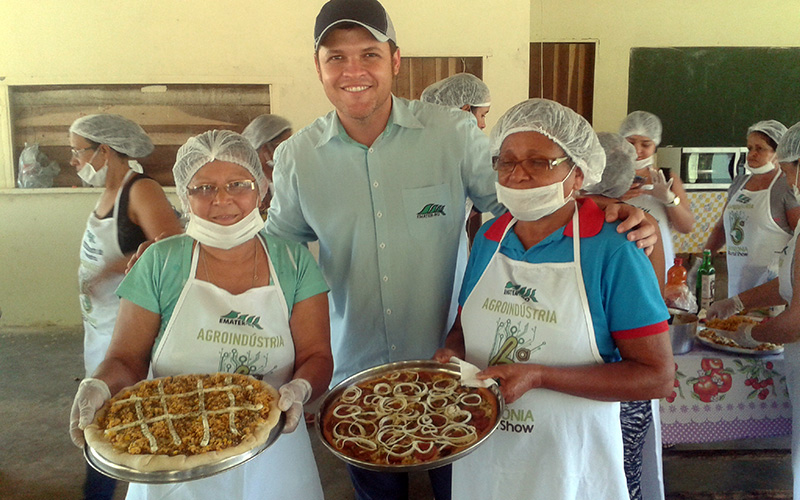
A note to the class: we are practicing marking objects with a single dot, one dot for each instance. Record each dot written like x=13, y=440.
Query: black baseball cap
x=367, y=13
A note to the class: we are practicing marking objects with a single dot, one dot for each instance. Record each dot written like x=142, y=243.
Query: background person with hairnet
x=468, y=93
x=180, y=285
x=782, y=329
x=546, y=310
x=464, y=91
x=641, y=425
x=760, y=214
x=265, y=133
x=132, y=208
x=664, y=199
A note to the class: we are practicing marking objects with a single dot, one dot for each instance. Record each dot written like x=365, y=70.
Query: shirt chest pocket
x=430, y=212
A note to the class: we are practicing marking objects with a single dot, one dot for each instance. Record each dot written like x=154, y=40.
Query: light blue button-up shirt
x=389, y=219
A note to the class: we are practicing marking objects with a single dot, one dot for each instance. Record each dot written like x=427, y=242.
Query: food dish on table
x=407, y=417
x=712, y=338
x=730, y=324
x=184, y=422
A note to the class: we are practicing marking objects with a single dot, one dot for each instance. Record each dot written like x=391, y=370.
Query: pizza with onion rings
x=408, y=417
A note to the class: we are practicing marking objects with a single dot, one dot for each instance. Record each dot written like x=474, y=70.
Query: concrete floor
x=40, y=371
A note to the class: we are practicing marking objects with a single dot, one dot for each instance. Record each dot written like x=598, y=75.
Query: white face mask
x=640, y=164
x=767, y=167
x=795, y=189
x=88, y=174
x=225, y=237
x=534, y=203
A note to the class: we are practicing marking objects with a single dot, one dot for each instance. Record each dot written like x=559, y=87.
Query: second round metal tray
x=123, y=473
x=449, y=368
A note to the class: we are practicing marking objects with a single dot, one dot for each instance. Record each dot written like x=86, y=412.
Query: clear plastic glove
x=293, y=396
x=742, y=336
x=662, y=189
x=725, y=308
x=91, y=395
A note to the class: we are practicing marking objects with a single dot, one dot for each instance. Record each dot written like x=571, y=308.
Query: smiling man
x=381, y=183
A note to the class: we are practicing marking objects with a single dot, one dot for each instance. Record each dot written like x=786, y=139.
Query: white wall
x=618, y=25
x=197, y=41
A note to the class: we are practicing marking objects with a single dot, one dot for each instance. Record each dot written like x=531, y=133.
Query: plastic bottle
x=675, y=291
x=706, y=281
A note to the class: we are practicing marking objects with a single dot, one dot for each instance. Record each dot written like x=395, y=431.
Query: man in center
x=381, y=183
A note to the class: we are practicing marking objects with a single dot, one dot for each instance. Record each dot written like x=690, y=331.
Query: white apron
x=753, y=239
x=213, y=330
x=99, y=248
x=652, y=206
x=791, y=357
x=549, y=445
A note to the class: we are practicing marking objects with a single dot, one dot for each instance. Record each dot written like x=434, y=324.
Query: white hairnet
x=560, y=124
x=265, y=128
x=642, y=123
x=223, y=145
x=117, y=132
x=789, y=146
x=771, y=128
x=457, y=91
x=620, y=166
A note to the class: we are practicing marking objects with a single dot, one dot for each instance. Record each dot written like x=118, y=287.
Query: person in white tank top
x=781, y=329
x=664, y=199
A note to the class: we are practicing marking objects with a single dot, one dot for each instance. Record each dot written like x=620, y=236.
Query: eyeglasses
x=233, y=188
x=77, y=152
x=531, y=166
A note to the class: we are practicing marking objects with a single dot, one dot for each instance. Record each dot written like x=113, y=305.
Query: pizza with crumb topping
x=408, y=417
x=184, y=421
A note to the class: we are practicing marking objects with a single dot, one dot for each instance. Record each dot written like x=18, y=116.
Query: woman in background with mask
x=651, y=191
x=546, y=310
x=180, y=285
x=265, y=133
x=132, y=208
x=760, y=214
x=782, y=329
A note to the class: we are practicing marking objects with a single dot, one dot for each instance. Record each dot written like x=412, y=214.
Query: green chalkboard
x=708, y=96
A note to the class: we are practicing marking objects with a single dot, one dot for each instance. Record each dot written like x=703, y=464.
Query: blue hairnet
x=620, y=166
x=223, y=145
x=117, y=132
x=789, y=147
x=265, y=128
x=560, y=124
x=457, y=91
x=771, y=128
x=642, y=123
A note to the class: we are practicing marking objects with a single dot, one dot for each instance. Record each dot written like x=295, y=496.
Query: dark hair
x=350, y=26
x=767, y=139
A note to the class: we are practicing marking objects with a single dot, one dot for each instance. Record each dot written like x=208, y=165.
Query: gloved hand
x=91, y=395
x=294, y=395
x=742, y=336
x=661, y=187
x=725, y=308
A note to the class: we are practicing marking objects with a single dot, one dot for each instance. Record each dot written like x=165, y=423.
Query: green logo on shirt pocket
x=431, y=210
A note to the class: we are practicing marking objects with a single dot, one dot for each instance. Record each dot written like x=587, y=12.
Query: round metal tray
x=449, y=368
x=123, y=473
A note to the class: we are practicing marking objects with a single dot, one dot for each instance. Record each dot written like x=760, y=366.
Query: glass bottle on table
x=675, y=291
x=706, y=281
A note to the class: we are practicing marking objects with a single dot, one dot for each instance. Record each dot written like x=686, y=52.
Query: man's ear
x=396, y=62
x=316, y=65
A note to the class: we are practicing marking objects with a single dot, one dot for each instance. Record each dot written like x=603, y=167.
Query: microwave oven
x=703, y=168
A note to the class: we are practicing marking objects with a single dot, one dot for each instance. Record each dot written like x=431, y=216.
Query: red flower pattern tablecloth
x=721, y=396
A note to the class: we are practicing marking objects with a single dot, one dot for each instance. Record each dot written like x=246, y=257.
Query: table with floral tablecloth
x=721, y=396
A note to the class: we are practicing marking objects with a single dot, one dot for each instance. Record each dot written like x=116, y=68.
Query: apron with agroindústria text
x=752, y=237
x=212, y=330
x=549, y=444
x=100, y=304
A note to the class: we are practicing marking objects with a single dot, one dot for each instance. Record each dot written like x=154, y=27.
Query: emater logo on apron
x=241, y=319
